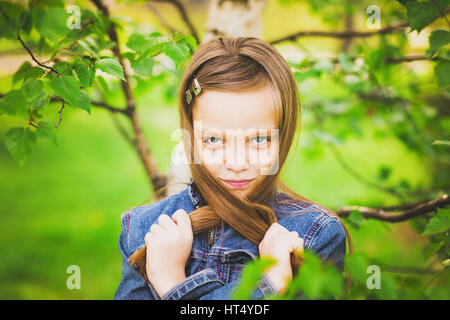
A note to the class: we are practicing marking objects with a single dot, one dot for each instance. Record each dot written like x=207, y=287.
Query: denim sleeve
x=264, y=289
x=132, y=286
x=206, y=285
x=329, y=242
x=194, y=286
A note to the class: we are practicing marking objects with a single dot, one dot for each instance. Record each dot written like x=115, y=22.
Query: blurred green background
x=63, y=206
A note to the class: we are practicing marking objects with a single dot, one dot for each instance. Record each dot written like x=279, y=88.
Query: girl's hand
x=278, y=243
x=169, y=245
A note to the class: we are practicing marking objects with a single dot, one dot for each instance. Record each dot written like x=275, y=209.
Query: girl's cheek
x=266, y=158
x=261, y=157
x=212, y=156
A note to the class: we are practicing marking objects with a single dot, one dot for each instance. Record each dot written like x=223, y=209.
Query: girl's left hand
x=169, y=244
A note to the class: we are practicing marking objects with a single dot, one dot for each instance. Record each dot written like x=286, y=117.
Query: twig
x=439, y=9
x=350, y=34
x=60, y=114
x=183, y=12
x=341, y=34
x=34, y=59
x=380, y=214
x=161, y=18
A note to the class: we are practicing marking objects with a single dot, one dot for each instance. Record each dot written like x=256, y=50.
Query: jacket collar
x=195, y=195
x=198, y=200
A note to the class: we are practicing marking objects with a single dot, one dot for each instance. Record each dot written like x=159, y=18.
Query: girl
x=239, y=108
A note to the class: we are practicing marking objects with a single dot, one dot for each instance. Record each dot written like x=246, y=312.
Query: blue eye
x=212, y=140
x=261, y=139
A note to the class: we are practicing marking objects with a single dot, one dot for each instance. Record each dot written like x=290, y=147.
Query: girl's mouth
x=237, y=184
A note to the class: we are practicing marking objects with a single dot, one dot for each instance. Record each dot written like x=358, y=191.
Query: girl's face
x=237, y=136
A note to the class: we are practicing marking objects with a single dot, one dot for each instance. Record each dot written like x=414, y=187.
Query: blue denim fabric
x=213, y=271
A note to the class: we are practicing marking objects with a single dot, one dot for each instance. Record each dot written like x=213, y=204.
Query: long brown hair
x=236, y=64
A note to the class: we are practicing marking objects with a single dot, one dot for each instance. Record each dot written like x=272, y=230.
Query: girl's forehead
x=235, y=110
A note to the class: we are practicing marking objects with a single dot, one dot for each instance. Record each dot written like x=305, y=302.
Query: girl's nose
x=236, y=160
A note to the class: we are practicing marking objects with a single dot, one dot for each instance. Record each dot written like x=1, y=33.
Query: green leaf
x=438, y=223
x=51, y=22
x=251, y=274
x=19, y=73
x=66, y=87
x=26, y=22
x=34, y=72
x=177, y=51
x=10, y=26
x=83, y=74
x=438, y=38
x=143, y=66
x=442, y=72
x=316, y=278
x=42, y=100
x=189, y=40
x=83, y=45
x=45, y=131
x=33, y=88
x=356, y=219
x=111, y=66
x=14, y=103
x=138, y=42
x=63, y=67
x=84, y=102
x=432, y=249
x=103, y=84
x=421, y=14
x=150, y=44
x=357, y=264
x=20, y=142
x=388, y=287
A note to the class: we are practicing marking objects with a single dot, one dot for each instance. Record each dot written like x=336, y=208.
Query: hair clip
x=196, y=89
x=188, y=96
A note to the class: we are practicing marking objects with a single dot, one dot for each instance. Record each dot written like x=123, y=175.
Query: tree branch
x=442, y=13
x=183, y=12
x=157, y=179
x=383, y=215
x=350, y=34
x=161, y=18
x=33, y=57
x=341, y=34
x=60, y=114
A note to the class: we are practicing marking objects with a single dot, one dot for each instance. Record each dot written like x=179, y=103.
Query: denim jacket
x=218, y=256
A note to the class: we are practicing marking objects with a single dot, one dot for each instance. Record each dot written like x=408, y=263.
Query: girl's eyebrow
x=217, y=131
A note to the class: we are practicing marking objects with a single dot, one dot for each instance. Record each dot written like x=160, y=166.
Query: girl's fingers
x=296, y=244
x=156, y=228
x=276, y=229
x=165, y=222
x=182, y=219
x=147, y=238
x=294, y=233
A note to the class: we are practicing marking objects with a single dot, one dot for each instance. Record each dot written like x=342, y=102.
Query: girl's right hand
x=278, y=243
